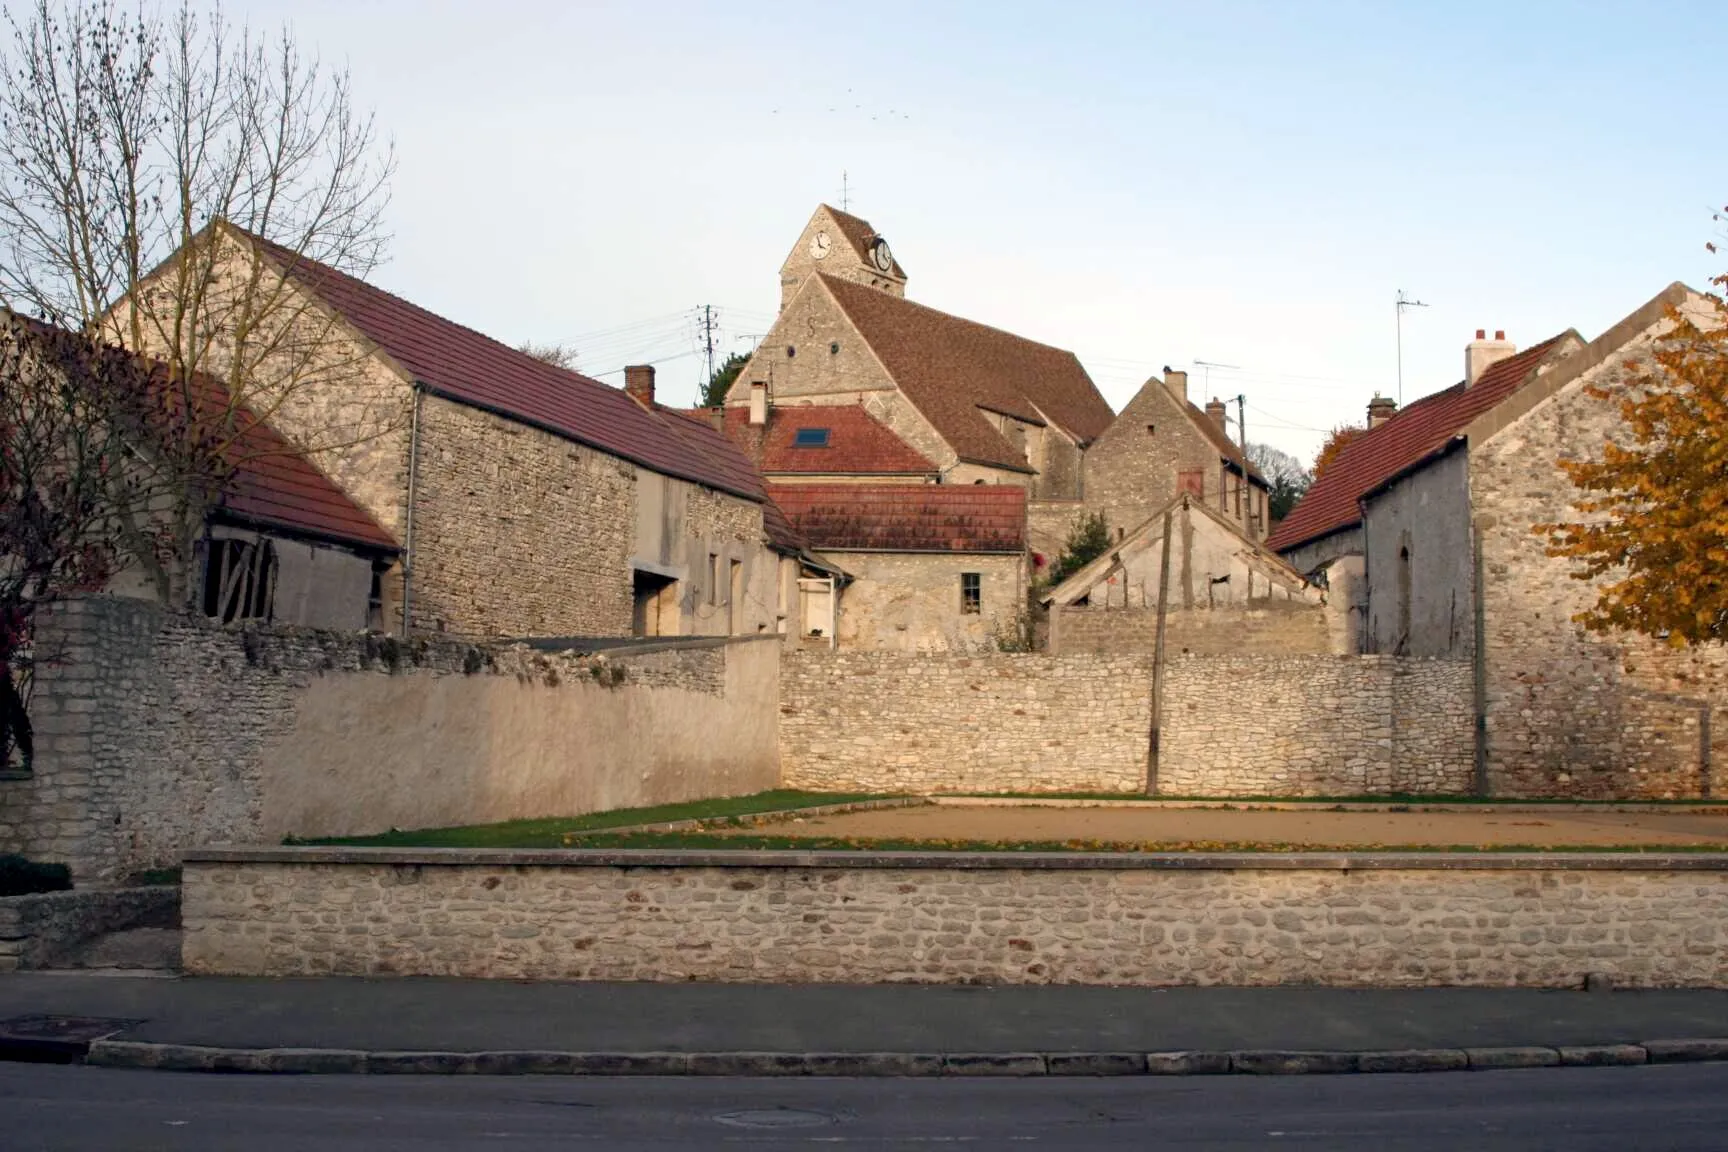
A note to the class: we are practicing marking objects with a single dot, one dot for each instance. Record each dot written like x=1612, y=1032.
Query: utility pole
x=708, y=341
x=1403, y=303
x=845, y=193
x=1247, y=505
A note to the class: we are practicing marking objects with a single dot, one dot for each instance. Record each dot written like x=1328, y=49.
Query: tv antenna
x=1403, y=303
x=1206, y=376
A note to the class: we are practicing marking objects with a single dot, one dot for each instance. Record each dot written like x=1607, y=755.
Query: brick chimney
x=758, y=403
x=1482, y=352
x=1215, y=409
x=639, y=383
x=1176, y=382
x=1380, y=410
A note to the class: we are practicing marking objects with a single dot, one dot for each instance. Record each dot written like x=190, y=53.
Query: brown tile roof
x=908, y=517
x=858, y=443
x=859, y=234
x=463, y=365
x=273, y=485
x=698, y=427
x=951, y=368
x=1410, y=437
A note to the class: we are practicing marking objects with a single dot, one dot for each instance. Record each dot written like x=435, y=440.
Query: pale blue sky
x=1146, y=184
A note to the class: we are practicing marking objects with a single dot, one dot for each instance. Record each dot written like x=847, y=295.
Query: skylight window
x=810, y=438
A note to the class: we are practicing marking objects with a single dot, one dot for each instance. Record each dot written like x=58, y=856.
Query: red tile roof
x=273, y=484
x=908, y=517
x=466, y=366
x=698, y=427
x=1413, y=435
x=857, y=442
x=952, y=370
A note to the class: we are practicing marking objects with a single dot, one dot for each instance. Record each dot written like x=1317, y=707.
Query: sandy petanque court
x=1483, y=825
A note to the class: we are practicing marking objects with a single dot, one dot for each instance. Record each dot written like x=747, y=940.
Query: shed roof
x=907, y=517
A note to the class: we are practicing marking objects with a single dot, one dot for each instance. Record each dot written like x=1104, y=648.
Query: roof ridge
x=829, y=276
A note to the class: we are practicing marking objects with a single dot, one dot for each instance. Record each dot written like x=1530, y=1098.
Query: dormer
x=844, y=246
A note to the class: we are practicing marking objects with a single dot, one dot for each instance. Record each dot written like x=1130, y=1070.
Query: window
x=713, y=579
x=239, y=579
x=971, y=593
x=1151, y=429
x=810, y=438
x=735, y=597
x=654, y=608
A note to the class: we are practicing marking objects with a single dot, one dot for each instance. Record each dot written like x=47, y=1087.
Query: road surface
x=48, y=1109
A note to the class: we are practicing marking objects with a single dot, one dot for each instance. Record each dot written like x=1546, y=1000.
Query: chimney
x=758, y=403
x=1177, y=382
x=1215, y=409
x=639, y=384
x=1482, y=352
x=1380, y=410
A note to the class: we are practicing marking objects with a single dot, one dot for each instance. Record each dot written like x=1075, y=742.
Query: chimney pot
x=1215, y=409
x=639, y=383
x=1380, y=410
x=1481, y=353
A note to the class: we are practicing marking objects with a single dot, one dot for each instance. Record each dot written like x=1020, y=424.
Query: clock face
x=884, y=258
x=820, y=245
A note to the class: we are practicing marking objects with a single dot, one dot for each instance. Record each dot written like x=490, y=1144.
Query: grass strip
x=557, y=832
x=698, y=840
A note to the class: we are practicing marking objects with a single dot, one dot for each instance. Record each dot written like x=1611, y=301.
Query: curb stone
x=136, y=1054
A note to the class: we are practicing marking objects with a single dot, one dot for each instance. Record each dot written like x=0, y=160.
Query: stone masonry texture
x=156, y=732
x=1231, y=725
x=1571, y=713
x=984, y=920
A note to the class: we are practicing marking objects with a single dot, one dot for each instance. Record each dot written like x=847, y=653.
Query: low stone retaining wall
x=1408, y=919
x=40, y=931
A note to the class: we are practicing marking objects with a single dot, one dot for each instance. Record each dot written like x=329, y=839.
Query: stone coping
x=1295, y=804
x=971, y=861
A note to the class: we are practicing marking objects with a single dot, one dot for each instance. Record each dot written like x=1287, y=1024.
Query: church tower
x=844, y=246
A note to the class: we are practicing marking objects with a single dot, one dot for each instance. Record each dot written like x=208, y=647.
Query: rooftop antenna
x=1206, y=377
x=1403, y=303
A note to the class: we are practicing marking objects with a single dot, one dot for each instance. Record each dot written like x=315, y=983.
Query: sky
x=1242, y=185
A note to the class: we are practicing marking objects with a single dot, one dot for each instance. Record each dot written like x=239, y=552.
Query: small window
x=971, y=593
x=713, y=578
x=791, y=351
x=1151, y=429
x=810, y=438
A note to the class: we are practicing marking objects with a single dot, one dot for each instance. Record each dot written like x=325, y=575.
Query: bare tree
x=172, y=183
x=73, y=417
x=557, y=355
x=1285, y=473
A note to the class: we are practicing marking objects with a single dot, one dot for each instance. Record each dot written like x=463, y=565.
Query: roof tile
x=908, y=517
x=857, y=444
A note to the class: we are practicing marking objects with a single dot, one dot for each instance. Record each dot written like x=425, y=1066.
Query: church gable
x=839, y=244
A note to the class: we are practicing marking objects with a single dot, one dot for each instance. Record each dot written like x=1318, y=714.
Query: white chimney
x=1482, y=352
x=758, y=402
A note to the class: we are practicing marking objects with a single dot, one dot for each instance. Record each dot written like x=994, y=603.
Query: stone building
x=1437, y=507
x=528, y=499
x=929, y=567
x=1225, y=594
x=1159, y=446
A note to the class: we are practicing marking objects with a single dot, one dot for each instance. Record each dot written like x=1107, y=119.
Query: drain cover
x=56, y=1039
x=776, y=1118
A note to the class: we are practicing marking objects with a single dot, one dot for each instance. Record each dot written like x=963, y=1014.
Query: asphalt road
x=45, y=1108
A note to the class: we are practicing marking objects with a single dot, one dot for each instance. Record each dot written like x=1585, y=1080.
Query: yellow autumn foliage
x=1652, y=525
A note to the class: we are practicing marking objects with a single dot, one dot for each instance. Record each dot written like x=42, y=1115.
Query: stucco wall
x=1355, y=921
x=1570, y=712
x=1231, y=726
x=156, y=732
x=910, y=601
x=1428, y=514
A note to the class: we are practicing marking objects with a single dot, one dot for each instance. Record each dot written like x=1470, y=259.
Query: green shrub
x=21, y=877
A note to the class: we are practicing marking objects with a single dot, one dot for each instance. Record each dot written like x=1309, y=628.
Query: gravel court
x=1468, y=825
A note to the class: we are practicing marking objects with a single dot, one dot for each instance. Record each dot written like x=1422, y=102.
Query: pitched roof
x=952, y=369
x=908, y=517
x=858, y=234
x=856, y=443
x=1410, y=437
x=273, y=485
x=461, y=364
x=1228, y=449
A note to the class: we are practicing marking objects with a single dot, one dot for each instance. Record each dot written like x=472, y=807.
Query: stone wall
x=1569, y=712
x=1276, y=629
x=1314, y=726
x=156, y=732
x=43, y=930
x=1418, y=564
x=1353, y=920
x=910, y=601
x=1232, y=726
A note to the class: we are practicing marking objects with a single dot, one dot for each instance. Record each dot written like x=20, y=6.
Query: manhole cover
x=56, y=1038
x=776, y=1118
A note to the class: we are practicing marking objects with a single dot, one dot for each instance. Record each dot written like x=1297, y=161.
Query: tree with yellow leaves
x=1336, y=441
x=1653, y=525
